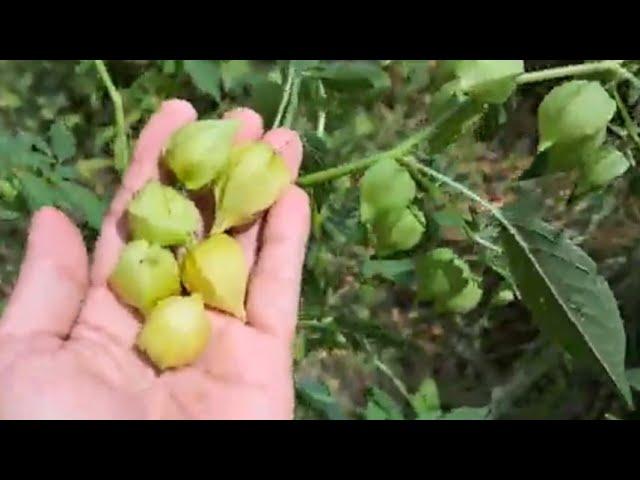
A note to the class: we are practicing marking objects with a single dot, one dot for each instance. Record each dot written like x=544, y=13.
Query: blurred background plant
x=366, y=346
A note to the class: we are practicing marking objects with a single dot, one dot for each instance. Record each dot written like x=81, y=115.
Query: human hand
x=67, y=344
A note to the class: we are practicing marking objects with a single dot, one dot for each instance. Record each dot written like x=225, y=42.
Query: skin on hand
x=67, y=345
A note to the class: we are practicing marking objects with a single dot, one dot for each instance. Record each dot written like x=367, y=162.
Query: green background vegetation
x=366, y=347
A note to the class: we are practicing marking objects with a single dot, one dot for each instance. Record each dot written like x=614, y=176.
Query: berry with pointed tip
x=176, y=332
x=144, y=275
x=162, y=215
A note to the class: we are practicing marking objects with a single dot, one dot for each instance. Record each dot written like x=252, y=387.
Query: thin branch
x=285, y=95
x=120, y=147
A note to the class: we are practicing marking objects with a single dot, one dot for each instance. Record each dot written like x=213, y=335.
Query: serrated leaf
x=426, y=400
x=37, y=191
x=633, y=377
x=394, y=270
x=205, y=75
x=303, y=65
x=467, y=413
x=573, y=110
x=449, y=217
x=353, y=76
x=463, y=120
x=384, y=187
x=29, y=140
x=8, y=215
x=168, y=66
x=63, y=143
x=382, y=407
x=432, y=415
x=85, y=201
x=499, y=263
x=234, y=74
x=568, y=299
x=265, y=98
x=319, y=397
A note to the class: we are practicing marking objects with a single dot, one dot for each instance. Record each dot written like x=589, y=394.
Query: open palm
x=67, y=344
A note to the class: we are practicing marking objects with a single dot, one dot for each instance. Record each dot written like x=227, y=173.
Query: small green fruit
x=504, y=296
x=441, y=273
x=199, y=152
x=572, y=111
x=144, y=275
x=162, y=215
x=464, y=301
x=490, y=81
x=398, y=231
x=7, y=191
x=385, y=186
x=176, y=332
x=255, y=178
x=216, y=268
x=600, y=168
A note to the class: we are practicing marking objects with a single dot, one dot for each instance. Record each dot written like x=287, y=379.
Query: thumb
x=53, y=278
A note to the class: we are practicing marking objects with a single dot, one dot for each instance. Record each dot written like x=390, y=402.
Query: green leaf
x=633, y=377
x=87, y=168
x=8, y=215
x=318, y=396
x=426, y=399
x=349, y=76
x=449, y=217
x=63, y=143
x=303, y=65
x=205, y=74
x=431, y=415
x=81, y=199
x=467, y=413
x=490, y=81
x=394, y=270
x=382, y=407
x=574, y=110
x=168, y=66
x=568, y=299
x=234, y=74
x=462, y=121
x=566, y=156
x=265, y=98
x=499, y=263
x=37, y=191
x=29, y=140
x=384, y=187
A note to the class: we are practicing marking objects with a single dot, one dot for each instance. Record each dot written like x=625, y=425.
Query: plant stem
x=285, y=95
x=396, y=381
x=322, y=114
x=120, y=148
x=396, y=152
x=417, y=138
x=293, y=103
x=627, y=75
x=461, y=188
x=569, y=71
x=632, y=128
